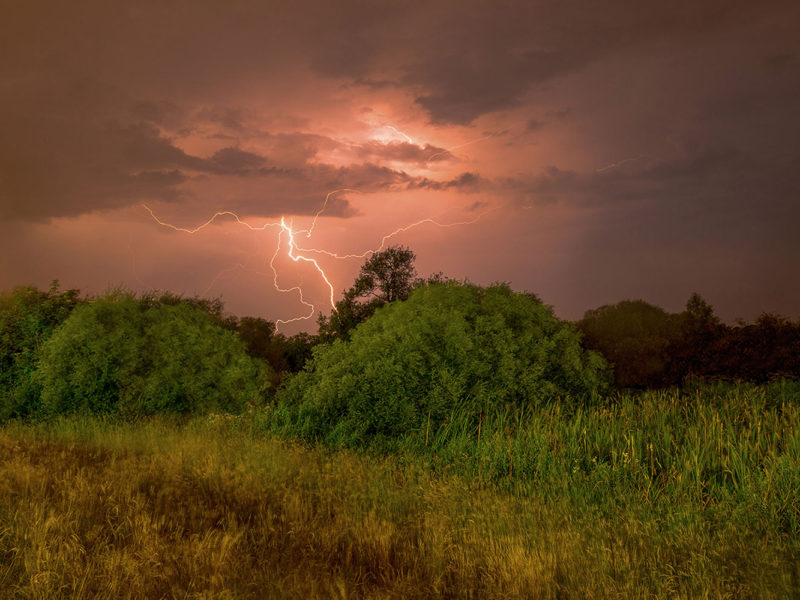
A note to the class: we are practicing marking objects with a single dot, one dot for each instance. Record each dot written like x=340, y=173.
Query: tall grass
x=708, y=446
x=655, y=495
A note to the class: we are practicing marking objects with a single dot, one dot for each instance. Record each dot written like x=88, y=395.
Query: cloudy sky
x=586, y=151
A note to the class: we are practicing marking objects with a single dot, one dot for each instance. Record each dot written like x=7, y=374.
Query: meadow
x=678, y=493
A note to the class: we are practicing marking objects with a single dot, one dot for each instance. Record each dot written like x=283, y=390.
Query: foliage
x=384, y=277
x=213, y=307
x=636, y=338
x=28, y=318
x=119, y=354
x=388, y=275
x=449, y=345
x=651, y=348
x=283, y=354
x=759, y=351
x=295, y=349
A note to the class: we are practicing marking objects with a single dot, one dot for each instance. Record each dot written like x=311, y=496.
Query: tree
x=700, y=328
x=384, y=277
x=760, y=351
x=119, y=354
x=637, y=338
x=387, y=276
x=448, y=346
x=283, y=354
x=699, y=314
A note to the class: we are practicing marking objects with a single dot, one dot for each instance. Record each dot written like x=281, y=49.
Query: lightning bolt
x=310, y=230
x=408, y=138
x=397, y=231
x=296, y=253
x=236, y=267
x=295, y=288
x=620, y=163
x=223, y=213
x=298, y=257
x=467, y=143
x=290, y=253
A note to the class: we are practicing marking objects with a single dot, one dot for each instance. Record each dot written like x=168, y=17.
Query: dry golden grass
x=155, y=511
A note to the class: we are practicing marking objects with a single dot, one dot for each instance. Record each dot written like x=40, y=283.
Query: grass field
x=656, y=495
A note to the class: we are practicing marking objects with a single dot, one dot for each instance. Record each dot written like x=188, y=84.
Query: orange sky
x=641, y=150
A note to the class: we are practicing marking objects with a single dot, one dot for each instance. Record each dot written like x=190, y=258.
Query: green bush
x=448, y=347
x=120, y=354
x=28, y=317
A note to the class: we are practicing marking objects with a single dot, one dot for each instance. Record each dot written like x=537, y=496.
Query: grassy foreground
x=660, y=495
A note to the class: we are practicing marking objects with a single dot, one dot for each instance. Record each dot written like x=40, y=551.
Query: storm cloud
x=627, y=148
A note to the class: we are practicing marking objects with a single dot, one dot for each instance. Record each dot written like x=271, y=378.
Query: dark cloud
x=402, y=152
x=465, y=182
x=62, y=167
x=720, y=176
x=718, y=221
x=301, y=191
x=161, y=179
x=374, y=84
x=559, y=113
x=142, y=146
x=157, y=112
x=736, y=248
x=228, y=117
x=463, y=89
x=490, y=59
x=70, y=136
x=371, y=177
x=234, y=161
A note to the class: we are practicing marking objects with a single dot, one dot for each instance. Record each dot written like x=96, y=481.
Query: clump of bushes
x=448, y=347
x=28, y=317
x=118, y=354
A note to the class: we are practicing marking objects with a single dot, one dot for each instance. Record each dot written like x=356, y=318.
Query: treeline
x=456, y=342
x=651, y=348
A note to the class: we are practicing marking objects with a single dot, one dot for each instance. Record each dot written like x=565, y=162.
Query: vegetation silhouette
x=165, y=352
x=651, y=348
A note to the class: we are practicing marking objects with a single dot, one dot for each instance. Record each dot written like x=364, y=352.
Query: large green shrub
x=28, y=317
x=448, y=346
x=120, y=354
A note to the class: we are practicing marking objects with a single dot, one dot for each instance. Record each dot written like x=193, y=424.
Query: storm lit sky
x=593, y=151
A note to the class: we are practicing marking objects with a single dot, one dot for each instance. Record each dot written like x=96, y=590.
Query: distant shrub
x=120, y=354
x=637, y=338
x=448, y=346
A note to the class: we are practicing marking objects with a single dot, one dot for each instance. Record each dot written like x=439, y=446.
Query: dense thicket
x=284, y=354
x=448, y=346
x=122, y=354
x=649, y=347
